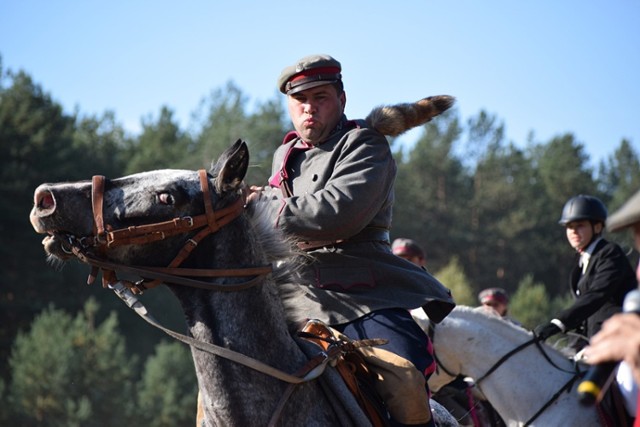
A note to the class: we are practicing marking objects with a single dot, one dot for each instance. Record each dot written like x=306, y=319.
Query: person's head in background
x=409, y=250
x=583, y=218
x=496, y=299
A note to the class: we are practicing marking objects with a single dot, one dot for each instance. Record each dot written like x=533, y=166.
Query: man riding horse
x=332, y=190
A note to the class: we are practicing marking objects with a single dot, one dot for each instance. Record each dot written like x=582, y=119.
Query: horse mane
x=471, y=314
x=284, y=255
x=278, y=249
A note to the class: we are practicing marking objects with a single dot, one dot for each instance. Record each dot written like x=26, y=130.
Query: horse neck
x=483, y=339
x=250, y=322
x=472, y=343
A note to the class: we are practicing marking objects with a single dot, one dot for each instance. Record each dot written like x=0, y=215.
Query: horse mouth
x=58, y=245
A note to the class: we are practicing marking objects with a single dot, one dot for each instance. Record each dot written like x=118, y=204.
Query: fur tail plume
x=393, y=120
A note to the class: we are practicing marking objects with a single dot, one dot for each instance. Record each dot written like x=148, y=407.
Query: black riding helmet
x=583, y=207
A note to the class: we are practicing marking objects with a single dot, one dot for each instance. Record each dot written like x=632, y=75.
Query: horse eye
x=166, y=199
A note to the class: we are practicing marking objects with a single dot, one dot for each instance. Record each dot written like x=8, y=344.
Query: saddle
x=384, y=384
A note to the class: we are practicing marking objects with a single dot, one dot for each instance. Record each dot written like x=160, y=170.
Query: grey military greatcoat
x=336, y=198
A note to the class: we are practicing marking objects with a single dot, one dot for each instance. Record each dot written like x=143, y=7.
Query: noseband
x=211, y=221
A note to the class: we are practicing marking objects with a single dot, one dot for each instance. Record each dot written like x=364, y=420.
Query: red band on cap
x=494, y=297
x=315, y=71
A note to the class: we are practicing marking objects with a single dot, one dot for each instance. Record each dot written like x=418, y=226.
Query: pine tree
x=168, y=389
x=71, y=372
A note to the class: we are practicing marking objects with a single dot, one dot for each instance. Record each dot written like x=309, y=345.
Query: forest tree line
x=485, y=209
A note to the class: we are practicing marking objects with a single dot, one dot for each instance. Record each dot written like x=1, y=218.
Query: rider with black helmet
x=602, y=274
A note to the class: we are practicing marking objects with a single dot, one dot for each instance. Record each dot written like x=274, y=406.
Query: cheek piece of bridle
x=208, y=223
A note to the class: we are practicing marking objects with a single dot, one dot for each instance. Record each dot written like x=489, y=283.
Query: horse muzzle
x=48, y=217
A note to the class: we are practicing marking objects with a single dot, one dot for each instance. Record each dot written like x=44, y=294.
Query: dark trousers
x=406, y=338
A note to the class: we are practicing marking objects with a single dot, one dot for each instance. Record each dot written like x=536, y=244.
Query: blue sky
x=549, y=67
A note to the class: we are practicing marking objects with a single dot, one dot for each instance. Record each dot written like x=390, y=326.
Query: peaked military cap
x=626, y=216
x=308, y=72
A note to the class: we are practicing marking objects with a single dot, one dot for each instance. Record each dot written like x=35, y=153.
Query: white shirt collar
x=585, y=255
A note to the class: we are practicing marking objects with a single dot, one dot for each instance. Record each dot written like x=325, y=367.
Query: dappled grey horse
x=191, y=231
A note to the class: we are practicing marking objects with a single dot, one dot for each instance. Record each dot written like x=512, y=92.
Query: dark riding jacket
x=336, y=198
x=600, y=291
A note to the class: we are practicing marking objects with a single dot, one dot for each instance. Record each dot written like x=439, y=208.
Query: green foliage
x=530, y=304
x=454, y=278
x=71, y=372
x=619, y=175
x=99, y=144
x=37, y=144
x=4, y=414
x=619, y=179
x=431, y=188
x=563, y=168
x=168, y=390
x=161, y=145
x=263, y=133
x=223, y=119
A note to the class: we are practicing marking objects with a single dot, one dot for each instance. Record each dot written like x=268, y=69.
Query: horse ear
x=231, y=167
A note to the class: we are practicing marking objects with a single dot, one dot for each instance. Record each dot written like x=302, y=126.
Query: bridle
x=91, y=249
x=576, y=373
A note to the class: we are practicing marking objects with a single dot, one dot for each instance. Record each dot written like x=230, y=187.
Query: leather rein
x=89, y=249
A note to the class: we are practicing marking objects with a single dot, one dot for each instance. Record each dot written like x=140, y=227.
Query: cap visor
x=310, y=85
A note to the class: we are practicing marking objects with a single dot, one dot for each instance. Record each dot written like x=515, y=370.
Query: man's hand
x=546, y=330
x=619, y=339
x=253, y=193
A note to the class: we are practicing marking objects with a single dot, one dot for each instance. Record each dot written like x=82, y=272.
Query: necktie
x=584, y=261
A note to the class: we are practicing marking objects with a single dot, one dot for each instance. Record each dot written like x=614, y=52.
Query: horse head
x=140, y=219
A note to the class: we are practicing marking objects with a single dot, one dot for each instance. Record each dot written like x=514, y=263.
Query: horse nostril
x=44, y=200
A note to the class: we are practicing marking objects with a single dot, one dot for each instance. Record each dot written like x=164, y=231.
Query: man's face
x=315, y=112
x=419, y=261
x=499, y=307
x=580, y=233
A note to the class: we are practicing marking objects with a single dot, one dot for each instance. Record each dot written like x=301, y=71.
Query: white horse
x=527, y=383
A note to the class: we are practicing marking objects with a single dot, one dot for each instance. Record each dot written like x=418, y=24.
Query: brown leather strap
x=349, y=365
x=219, y=272
x=208, y=208
x=97, y=200
x=175, y=279
x=211, y=220
x=142, y=234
